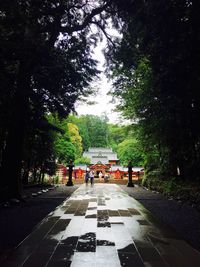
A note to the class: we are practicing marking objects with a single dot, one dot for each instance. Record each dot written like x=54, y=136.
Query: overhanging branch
x=104, y=32
x=87, y=20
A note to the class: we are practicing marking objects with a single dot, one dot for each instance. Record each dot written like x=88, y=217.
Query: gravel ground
x=18, y=220
x=184, y=219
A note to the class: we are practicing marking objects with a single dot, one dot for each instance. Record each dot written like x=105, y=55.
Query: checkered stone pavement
x=101, y=226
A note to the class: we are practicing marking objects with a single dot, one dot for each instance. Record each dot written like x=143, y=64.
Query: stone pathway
x=101, y=226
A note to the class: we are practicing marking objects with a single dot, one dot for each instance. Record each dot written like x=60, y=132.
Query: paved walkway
x=102, y=226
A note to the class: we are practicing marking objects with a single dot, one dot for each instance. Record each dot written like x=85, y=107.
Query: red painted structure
x=99, y=168
x=78, y=173
x=114, y=172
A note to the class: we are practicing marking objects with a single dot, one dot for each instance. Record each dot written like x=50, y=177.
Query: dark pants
x=91, y=180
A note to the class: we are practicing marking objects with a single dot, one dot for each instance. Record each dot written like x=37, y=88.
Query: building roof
x=99, y=165
x=100, y=154
x=103, y=160
x=97, y=149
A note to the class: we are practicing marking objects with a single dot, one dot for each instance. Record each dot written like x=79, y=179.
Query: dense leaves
x=70, y=143
x=156, y=72
x=46, y=64
x=129, y=150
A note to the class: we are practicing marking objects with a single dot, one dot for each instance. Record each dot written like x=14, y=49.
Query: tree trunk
x=40, y=175
x=13, y=152
x=43, y=177
x=34, y=172
x=26, y=172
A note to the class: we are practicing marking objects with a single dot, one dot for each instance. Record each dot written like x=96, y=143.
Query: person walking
x=87, y=176
x=106, y=178
x=100, y=175
x=91, y=177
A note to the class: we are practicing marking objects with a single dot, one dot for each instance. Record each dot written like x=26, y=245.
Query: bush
x=175, y=187
x=56, y=179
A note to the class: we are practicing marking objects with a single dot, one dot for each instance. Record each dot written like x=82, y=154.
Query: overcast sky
x=102, y=99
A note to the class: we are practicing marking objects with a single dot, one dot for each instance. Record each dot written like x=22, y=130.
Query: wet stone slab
x=70, y=242
x=62, y=254
x=60, y=225
x=130, y=260
x=102, y=213
x=134, y=212
x=128, y=249
x=59, y=263
x=40, y=259
x=105, y=243
x=65, y=249
x=87, y=243
x=92, y=208
x=124, y=213
x=80, y=212
x=101, y=202
x=112, y=223
x=91, y=216
x=93, y=199
x=143, y=222
x=149, y=254
x=101, y=226
x=113, y=213
x=71, y=210
x=102, y=218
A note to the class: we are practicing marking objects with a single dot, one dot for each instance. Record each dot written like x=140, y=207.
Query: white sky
x=103, y=100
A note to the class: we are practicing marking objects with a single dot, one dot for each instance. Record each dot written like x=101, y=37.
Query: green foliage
x=93, y=130
x=116, y=134
x=64, y=151
x=83, y=130
x=129, y=150
x=76, y=139
x=84, y=133
x=63, y=145
x=99, y=133
x=133, y=91
x=155, y=68
x=39, y=154
x=46, y=65
x=97, y=129
x=82, y=160
x=176, y=188
x=56, y=179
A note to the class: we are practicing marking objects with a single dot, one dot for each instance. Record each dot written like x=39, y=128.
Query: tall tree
x=46, y=57
x=157, y=64
x=64, y=148
x=76, y=139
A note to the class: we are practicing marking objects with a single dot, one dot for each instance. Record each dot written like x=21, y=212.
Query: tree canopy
x=155, y=69
x=46, y=62
x=47, y=65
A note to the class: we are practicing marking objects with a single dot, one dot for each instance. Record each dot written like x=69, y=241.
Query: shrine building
x=101, y=154
x=101, y=160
